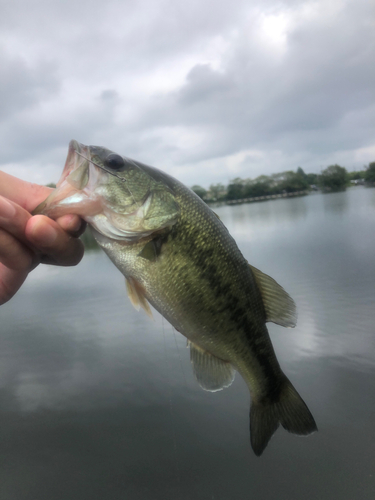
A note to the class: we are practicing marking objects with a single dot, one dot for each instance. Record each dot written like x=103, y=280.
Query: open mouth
x=70, y=196
x=78, y=158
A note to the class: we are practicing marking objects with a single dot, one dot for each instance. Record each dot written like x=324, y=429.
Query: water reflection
x=97, y=401
x=253, y=220
x=335, y=202
x=329, y=263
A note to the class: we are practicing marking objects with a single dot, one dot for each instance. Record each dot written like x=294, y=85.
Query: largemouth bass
x=178, y=256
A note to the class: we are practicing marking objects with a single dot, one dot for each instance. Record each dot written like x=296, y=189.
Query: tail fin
x=289, y=410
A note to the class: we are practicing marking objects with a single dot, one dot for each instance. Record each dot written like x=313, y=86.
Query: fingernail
x=73, y=223
x=7, y=210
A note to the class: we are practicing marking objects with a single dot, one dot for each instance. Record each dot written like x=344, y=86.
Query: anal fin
x=137, y=297
x=212, y=373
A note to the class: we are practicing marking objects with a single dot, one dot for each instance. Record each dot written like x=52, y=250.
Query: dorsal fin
x=137, y=297
x=280, y=307
x=212, y=373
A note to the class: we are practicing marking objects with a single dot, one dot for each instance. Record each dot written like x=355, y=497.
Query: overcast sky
x=206, y=90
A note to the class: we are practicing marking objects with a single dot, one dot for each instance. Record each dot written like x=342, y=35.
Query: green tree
x=294, y=181
x=312, y=179
x=217, y=191
x=199, y=190
x=356, y=175
x=333, y=178
x=261, y=186
x=369, y=175
x=235, y=189
x=301, y=173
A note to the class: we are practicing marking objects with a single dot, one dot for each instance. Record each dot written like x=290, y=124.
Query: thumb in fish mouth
x=68, y=194
x=68, y=199
x=60, y=202
x=68, y=220
x=39, y=210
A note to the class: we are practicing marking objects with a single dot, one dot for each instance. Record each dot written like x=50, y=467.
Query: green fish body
x=178, y=256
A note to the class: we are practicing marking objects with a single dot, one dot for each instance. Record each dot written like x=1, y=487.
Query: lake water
x=99, y=402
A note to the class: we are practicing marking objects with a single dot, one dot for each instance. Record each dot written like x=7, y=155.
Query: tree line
x=333, y=178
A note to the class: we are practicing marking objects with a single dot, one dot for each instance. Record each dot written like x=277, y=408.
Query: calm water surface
x=99, y=402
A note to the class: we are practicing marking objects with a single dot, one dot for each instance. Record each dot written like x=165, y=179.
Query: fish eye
x=114, y=161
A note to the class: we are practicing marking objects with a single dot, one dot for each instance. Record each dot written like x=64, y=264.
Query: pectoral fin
x=152, y=249
x=149, y=251
x=212, y=373
x=280, y=307
x=137, y=297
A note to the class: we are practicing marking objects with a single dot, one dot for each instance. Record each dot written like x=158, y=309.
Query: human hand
x=26, y=240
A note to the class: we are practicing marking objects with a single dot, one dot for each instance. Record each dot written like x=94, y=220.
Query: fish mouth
x=72, y=194
x=77, y=155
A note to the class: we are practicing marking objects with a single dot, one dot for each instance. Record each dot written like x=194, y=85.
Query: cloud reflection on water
x=97, y=401
x=320, y=249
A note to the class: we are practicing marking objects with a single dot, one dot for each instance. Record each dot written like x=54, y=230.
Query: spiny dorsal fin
x=136, y=296
x=280, y=307
x=212, y=373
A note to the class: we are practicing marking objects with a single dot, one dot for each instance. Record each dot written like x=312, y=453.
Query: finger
x=29, y=195
x=25, y=194
x=55, y=244
x=10, y=282
x=72, y=224
x=15, y=255
x=13, y=219
x=15, y=251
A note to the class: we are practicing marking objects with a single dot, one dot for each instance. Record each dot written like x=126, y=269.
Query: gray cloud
x=23, y=85
x=207, y=91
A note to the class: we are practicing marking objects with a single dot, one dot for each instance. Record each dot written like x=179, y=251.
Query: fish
x=178, y=256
